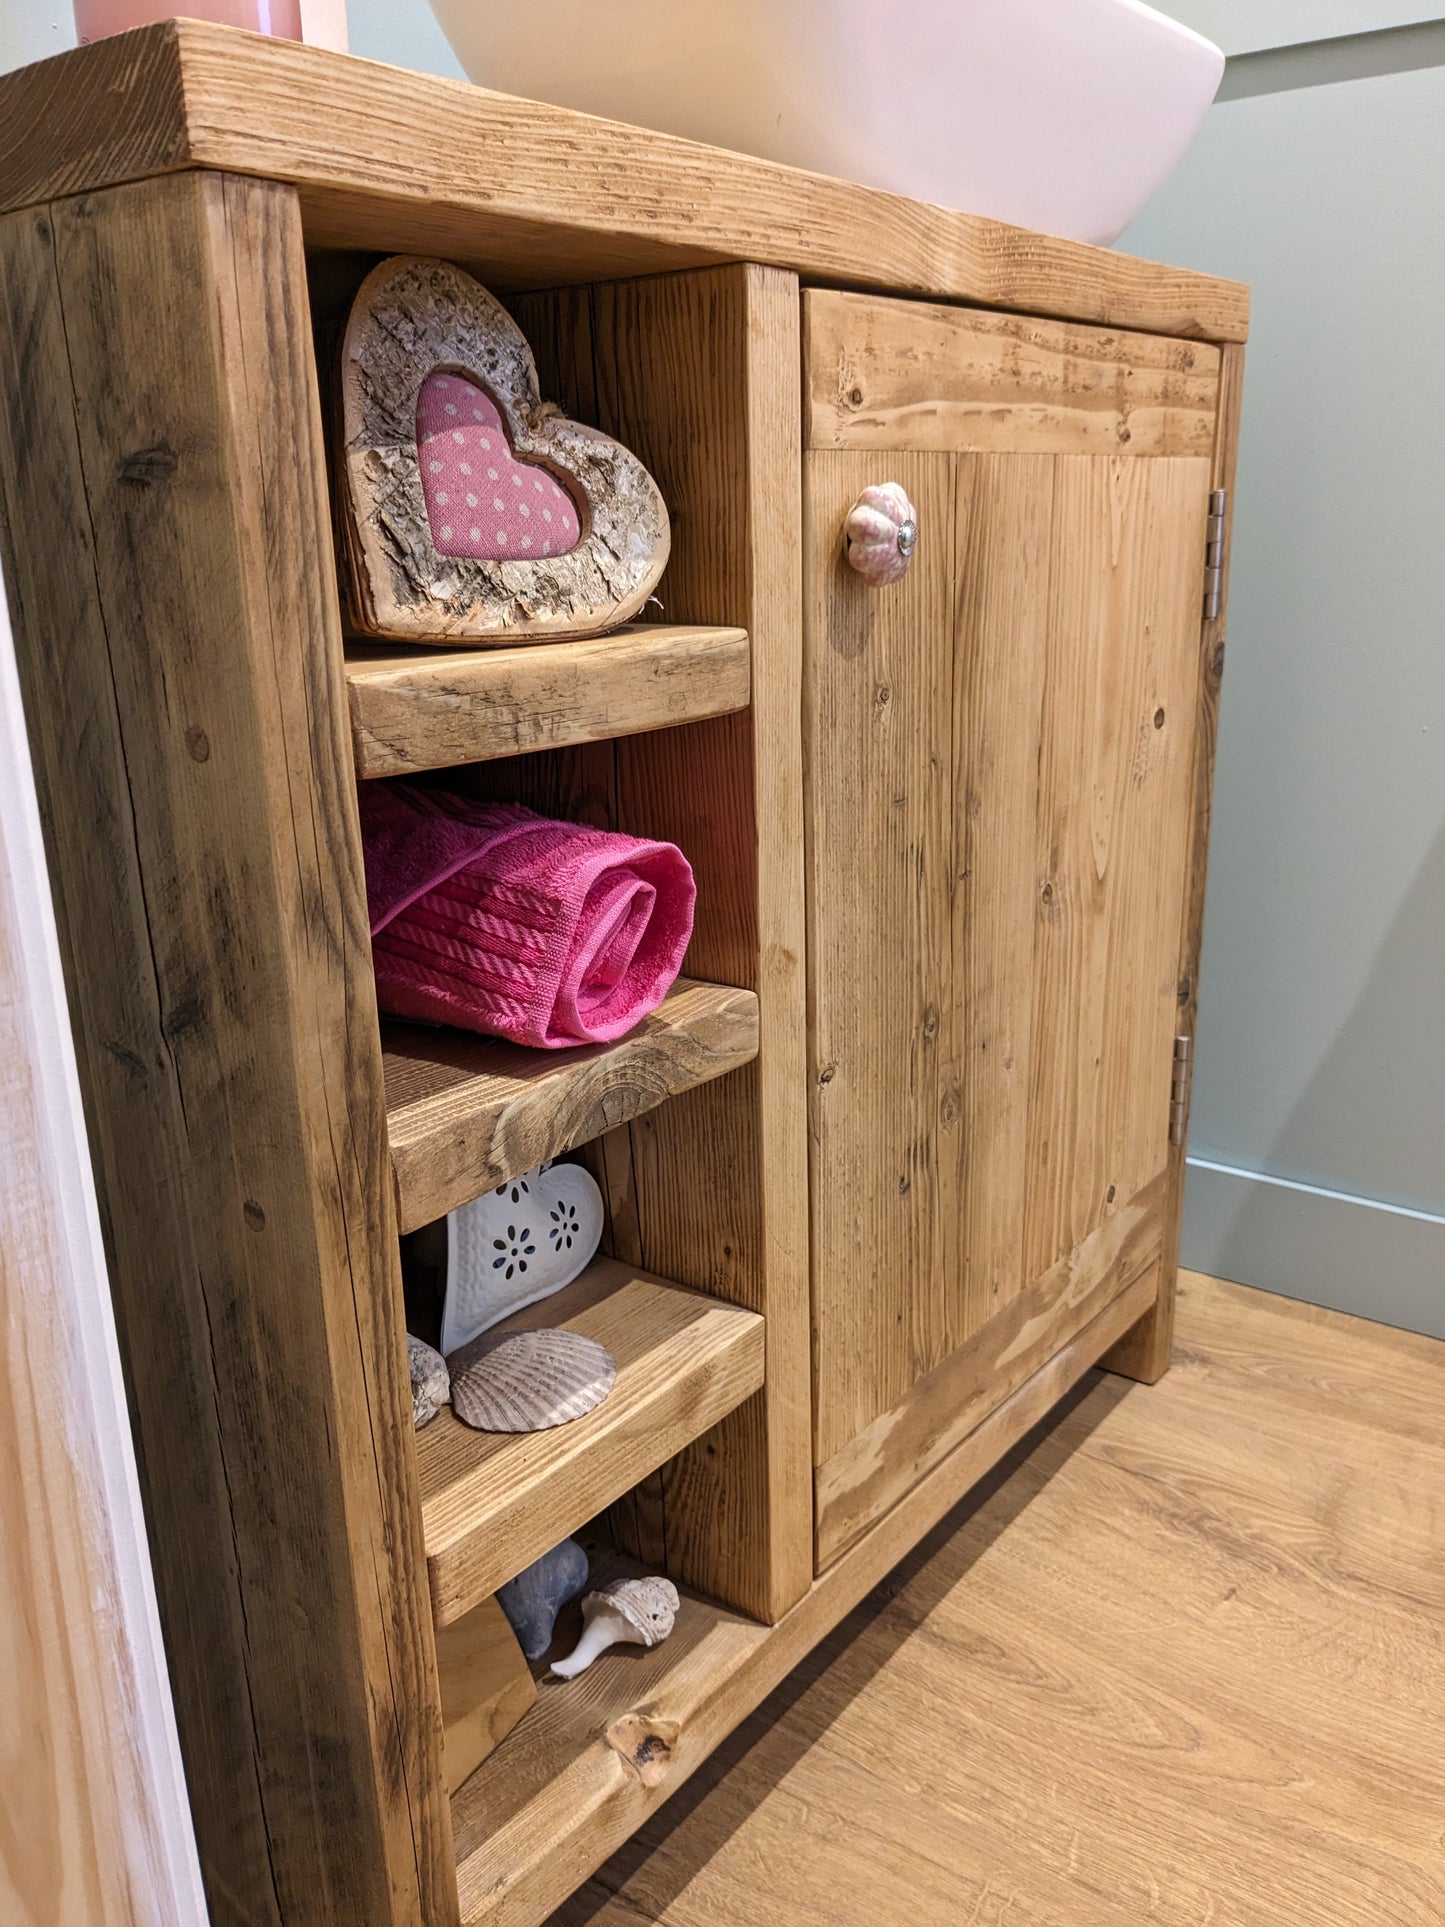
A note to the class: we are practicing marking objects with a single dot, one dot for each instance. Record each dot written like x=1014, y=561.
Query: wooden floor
x=1184, y=1662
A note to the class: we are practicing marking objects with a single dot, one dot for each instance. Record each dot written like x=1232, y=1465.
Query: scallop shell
x=527, y=1381
x=628, y=1612
x=430, y=1381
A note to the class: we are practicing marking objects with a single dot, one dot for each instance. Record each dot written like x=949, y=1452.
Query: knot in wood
x=144, y=467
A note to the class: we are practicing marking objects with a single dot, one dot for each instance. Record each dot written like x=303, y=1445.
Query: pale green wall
x=1242, y=26
x=1318, y=1141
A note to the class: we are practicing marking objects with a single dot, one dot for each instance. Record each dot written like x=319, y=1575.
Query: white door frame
x=97, y=1827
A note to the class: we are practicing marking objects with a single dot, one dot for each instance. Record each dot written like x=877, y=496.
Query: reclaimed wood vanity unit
x=892, y=1167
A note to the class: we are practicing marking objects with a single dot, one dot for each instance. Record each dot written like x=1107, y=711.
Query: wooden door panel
x=1000, y=774
x=872, y=1471
x=1000, y=761
x=1112, y=836
x=878, y=753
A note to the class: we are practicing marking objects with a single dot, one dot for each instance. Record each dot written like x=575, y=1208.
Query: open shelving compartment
x=696, y=1464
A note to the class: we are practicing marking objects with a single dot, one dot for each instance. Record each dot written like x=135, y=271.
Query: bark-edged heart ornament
x=472, y=511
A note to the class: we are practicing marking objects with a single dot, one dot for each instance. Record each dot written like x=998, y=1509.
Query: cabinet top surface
x=532, y=195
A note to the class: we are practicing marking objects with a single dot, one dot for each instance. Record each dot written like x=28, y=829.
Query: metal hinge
x=1214, y=554
x=1179, y=1089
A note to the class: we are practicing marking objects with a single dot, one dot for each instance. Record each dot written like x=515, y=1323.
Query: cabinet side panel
x=1144, y=1352
x=178, y=632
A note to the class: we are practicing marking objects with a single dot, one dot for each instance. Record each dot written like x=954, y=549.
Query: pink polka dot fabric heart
x=480, y=500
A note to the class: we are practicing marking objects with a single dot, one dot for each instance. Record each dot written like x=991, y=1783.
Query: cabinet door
x=1000, y=755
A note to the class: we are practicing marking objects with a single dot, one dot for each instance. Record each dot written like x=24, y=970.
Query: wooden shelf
x=416, y=709
x=493, y=1502
x=466, y=1113
x=585, y=1762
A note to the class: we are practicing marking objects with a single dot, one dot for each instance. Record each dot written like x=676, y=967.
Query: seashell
x=628, y=1612
x=518, y=1244
x=431, y=1384
x=534, y=1598
x=880, y=534
x=527, y=1381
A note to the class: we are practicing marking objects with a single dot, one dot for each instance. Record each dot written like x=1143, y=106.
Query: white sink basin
x=1061, y=115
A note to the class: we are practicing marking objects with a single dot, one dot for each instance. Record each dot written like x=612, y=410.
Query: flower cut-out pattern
x=515, y=1249
x=565, y=1227
x=481, y=501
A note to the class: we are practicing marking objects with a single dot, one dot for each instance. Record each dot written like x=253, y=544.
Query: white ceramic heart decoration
x=518, y=1244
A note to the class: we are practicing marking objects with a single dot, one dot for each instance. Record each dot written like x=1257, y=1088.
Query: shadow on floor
x=788, y=1721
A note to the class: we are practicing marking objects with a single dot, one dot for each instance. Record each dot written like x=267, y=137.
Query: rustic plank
x=699, y=374
x=415, y=710
x=531, y=194
x=586, y=1767
x=493, y=1502
x=1115, y=765
x=1004, y=508
x=176, y=622
x=466, y=1113
x=1145, y=1353
x=877, y=728
x=882, y=376
x=486, y=1687
x=874, y=1470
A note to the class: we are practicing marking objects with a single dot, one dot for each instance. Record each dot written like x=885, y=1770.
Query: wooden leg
x=1145, y=1349
x=168, y=543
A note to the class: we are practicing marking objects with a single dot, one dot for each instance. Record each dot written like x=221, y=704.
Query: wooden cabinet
x=1000, y=777
x=948, y=840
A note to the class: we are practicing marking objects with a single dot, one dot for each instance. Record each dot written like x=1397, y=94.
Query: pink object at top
x=489, y=917
x=96, y=19
x=480, y=500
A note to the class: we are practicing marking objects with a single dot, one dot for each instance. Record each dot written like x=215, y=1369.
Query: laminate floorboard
x=1181, y=1660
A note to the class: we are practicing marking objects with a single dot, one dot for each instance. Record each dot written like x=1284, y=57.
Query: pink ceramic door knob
x=94, y=19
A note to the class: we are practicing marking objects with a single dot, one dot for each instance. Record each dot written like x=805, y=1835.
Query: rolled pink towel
x=490, y=917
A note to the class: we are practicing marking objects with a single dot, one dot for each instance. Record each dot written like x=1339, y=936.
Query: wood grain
x=1183, y=1665
x=881, y=376
x=874, y=1470
x=699, y=374
x=176, y=623
x=413, y=710
x=1002, y=748
x=1112, y=835
x=1144, y=1354
x=531, y=194
x=1002, y=745
x=486, y=1687
x=493, y=1502
x=586, y=1768
x=878, y=722
x=466, y=1113
x=1003, y=507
